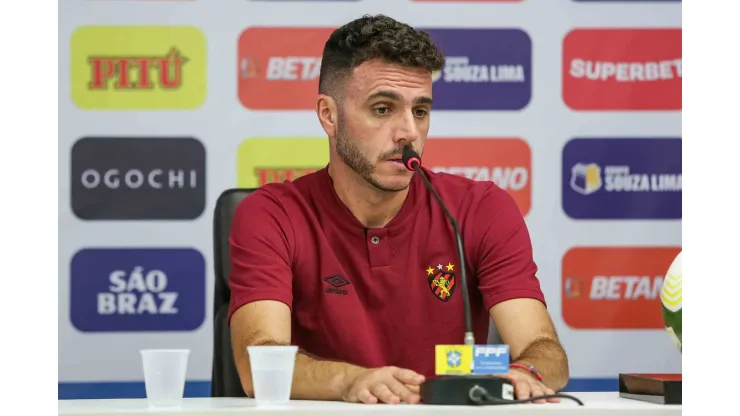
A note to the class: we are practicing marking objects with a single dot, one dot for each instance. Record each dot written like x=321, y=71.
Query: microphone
x=412, y=161
x=465, y=389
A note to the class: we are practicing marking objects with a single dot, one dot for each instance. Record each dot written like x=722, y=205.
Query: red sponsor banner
x=505, y=161
x=622, y=69
x=278, y=68
x=615, y=287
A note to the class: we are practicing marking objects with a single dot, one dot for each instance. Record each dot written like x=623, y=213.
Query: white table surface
x=598, y=404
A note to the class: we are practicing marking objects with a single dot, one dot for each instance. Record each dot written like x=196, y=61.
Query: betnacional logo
x=622, y=178
x=486, y=69
x=138, y=67
x=276, y=159
x=137, y=289
x=614, y=287
x=505, y=161
x=129, y=178
x=278, y=68
x=622, y=69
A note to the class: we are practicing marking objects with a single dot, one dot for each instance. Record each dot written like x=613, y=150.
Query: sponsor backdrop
x=574, y=107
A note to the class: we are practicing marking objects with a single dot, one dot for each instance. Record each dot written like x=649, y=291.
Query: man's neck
x=372, y=207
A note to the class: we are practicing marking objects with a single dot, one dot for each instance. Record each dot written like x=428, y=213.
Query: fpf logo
x=495, y=77
x=142, y=67
x=127, y=289
x=622, y=178
x=278, y=68
x=614, y=287
x=276, y=159
x=507, y=162
x=622, y=69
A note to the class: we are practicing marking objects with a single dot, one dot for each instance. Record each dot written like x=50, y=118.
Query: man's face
x=384, y=108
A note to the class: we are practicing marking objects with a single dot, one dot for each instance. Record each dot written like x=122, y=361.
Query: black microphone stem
x=469, y=338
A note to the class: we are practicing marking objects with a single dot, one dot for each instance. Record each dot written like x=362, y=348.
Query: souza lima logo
x=622, y=178
x=115, y=290
x=442, y=281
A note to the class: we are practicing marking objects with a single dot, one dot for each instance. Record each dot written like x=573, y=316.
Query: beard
x=358, y=162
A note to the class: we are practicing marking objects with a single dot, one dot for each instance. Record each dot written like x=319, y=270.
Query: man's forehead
x=390, y=81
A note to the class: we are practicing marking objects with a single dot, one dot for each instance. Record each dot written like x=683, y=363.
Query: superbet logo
x=279, y=175
x=143, y=72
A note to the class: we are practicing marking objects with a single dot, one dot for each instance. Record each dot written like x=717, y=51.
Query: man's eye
x=420, y=112
x=381, y=110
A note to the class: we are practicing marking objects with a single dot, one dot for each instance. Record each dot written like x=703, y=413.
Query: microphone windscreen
x=409, y=157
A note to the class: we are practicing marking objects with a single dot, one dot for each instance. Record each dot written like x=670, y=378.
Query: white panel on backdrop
x=573, y=106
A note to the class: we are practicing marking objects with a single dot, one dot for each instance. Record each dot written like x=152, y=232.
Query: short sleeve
x=260, y=245
x=505, y=264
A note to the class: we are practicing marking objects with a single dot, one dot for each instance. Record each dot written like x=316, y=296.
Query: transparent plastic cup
x=272, y=373
x=164, y=376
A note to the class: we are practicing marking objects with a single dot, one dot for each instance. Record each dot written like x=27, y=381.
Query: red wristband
x=527, y=368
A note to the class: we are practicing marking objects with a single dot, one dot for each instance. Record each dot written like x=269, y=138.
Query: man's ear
x=326, y=109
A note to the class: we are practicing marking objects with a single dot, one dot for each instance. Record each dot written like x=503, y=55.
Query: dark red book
x=653, y=388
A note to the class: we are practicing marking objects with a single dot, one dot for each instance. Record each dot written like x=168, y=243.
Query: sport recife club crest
x=442, y=281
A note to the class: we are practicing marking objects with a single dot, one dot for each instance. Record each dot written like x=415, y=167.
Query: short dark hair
x=375, y=37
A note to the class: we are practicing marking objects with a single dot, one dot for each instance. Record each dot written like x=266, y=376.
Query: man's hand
x=386, y=385
x=526, y=385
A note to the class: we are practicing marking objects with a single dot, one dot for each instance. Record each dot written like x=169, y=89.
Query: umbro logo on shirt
x=336, y=281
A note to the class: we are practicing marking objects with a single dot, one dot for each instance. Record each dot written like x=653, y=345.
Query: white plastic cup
x=272, y=372
x=164, y=376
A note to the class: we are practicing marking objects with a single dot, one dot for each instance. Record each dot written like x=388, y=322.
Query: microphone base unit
x=456, y=390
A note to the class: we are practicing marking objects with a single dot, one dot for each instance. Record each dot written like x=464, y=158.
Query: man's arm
x=261, y=277
x=508, y=281
x=526, y=327
x=268, y=323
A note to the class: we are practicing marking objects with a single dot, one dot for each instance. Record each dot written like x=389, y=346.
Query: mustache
x=398, y=152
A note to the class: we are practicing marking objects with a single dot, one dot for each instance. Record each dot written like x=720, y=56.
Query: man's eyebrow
x=384, y=94
x=393, y=96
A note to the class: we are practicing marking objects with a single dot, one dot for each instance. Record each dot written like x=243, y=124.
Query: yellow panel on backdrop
x=138, y=67
x=276, y=159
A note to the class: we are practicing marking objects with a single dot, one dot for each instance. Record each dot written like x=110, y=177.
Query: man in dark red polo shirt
x=346, y=262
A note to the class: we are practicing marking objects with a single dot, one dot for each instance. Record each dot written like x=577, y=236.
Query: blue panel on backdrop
x=622, y=178
x=137, y=289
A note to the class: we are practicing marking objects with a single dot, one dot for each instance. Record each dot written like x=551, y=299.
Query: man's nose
x=407, y=130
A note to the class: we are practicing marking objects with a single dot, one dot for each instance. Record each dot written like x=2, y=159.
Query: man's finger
x=522, y=391
x=400, y=390
x=537, y=390
x=384, y=394
x=408, y=376
x=364, y=396
x=414, y=389
x=552, y=399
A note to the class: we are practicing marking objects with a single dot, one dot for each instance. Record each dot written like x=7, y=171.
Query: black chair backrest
x=225, y=380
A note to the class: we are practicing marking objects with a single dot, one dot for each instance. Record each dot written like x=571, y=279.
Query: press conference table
x=595, y=404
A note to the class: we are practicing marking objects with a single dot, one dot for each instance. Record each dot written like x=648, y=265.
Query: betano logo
x=505, y=161
x=622, y=69
x=614, y=287
x=119, y=67
x=278, y=68
x=275, y=159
